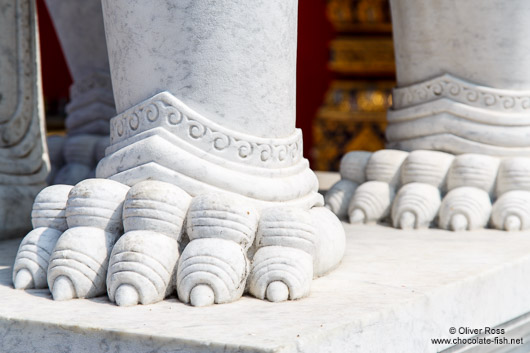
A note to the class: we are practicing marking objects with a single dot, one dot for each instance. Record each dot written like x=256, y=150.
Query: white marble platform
x=394, y=291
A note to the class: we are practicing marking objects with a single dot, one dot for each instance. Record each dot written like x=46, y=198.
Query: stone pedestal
x=394, y=291
x=23, y=154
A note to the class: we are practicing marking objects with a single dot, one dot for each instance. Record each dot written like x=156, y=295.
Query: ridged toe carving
x=415, y=206
x=217, y=263
x=97, y=203
x=33, y=257
x=371, y=202
x=465, y=208
x=221, y=229
x=81, y=256
x=144, y=258
x=473, y=170
x=49, y=207
x=468, y=184
x=427, y=167
x=359, y=167
x=290, y=266
x=49, y=220
x=514, y=174
x=220, y=216
x=385, y=166
x=288, y=227
x=156, y=206
x=511, y=211
x=338, y=198
x=353, y=165
x=286, y=241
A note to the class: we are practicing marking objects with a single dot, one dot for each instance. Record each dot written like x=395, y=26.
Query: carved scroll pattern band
x=447, y=86
x=164, y=110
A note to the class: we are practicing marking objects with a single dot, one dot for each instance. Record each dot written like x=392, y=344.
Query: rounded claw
x=63, y=289
x=277, y=291
x=126, y=295
x=357, y=216
x=512, y=223
x=202, y=295
x=459, y=223
x=24, y=280
x=407, y=220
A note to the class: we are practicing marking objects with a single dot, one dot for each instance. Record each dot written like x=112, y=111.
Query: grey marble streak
x=232, y=63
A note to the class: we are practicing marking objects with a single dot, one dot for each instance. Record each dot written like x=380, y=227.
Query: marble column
x=463, y=80
x=215, y=85
x=463, y=94
x=221, y=200
x=23, y=153
x=79, y=25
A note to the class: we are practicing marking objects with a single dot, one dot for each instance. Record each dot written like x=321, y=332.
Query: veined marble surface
x=395, y=290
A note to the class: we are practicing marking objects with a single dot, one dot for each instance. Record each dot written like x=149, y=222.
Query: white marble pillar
x=463, y=76
x=464, y=88
x=23, y=154
x=79, y=25
x=232, y=63
x=220, y=79
x=206, y=139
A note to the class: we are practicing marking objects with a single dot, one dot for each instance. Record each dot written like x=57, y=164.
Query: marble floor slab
x=394, y=292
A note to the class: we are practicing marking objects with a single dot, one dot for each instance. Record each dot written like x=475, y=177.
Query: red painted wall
x=313, y=77
x=55, y=76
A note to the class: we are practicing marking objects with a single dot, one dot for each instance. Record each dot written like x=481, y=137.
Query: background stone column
x=79, y=25
x=463, y=77
x=463, y=88
x=23, y=154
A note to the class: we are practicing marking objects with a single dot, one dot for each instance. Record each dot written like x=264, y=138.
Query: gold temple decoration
x=353, y=115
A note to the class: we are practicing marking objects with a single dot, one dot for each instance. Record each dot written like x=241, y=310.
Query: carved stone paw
x=210, y=249
x=143, y=260
x=78, y=264
x=417, y=189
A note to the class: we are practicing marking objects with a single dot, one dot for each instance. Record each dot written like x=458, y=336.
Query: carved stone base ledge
x=163, y=139
x=411, y=285
x=452, y=115
x=422, y=188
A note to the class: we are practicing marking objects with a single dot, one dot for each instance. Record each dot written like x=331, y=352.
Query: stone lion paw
x=210, y=249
